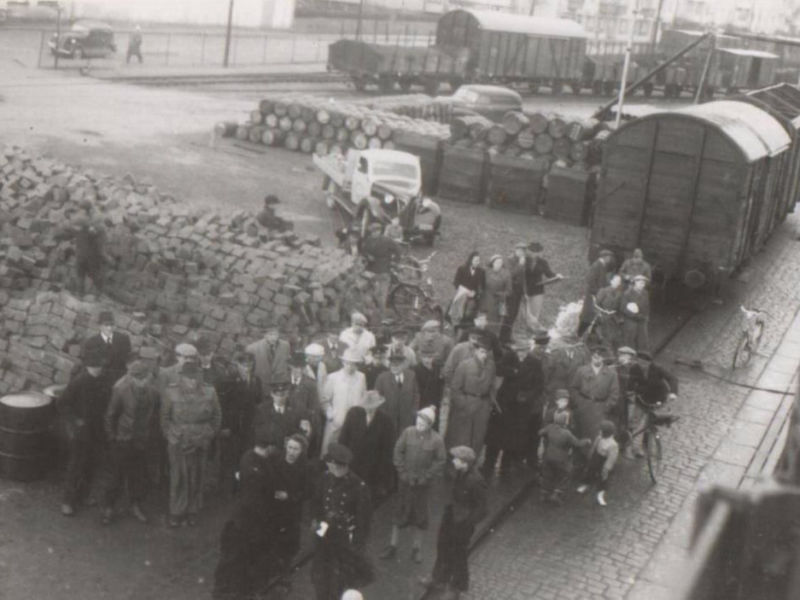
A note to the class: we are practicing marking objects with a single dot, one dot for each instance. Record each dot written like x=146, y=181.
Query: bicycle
x=753, y=323
x=411, y=296
x=593, y=336
x=651, y=435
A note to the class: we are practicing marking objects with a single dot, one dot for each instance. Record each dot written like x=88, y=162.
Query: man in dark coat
x=276, y=418
x=595, y=394
x=115, y=344
x=83, y=407
x=374, y=364
x=248, y=388
x=341, y=515
x=658, y=386
x=399, y=387
x=508, y=420
x=90, y=252
x=534, y=371
x=130, y=423
x=596, y=279
x=370, y=435
x=430, y=380
x=635, y=307
x=466, y=509
x=246, y=546
x=304, y=399
x=631, y=377
x=290, y=482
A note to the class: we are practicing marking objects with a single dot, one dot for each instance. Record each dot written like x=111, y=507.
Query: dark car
x=86, y=39
x=491, y=101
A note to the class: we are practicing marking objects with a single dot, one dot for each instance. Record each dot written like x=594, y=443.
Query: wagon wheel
x=405, y=84
x=533, y=87
x=647, y=88
x=455, y=83
x=558, y=87
x=576, y=87
x=597, y=88
x=386, y=84
x=608, y=88
x=431, y=86
x=360, y=83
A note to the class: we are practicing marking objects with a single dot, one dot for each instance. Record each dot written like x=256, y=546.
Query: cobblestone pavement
x=584, y=551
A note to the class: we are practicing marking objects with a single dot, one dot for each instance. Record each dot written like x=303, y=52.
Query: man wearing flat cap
x=399, y=387
x=529, y=272
x=596, y=279
x=130, y=424
x=83, y=407
x=357, y=336
x=431, y=340
x=631, y=377
x=595, y=394
x=534, y=371
x=272, y=356
x=635, y=307
x=399, y=344
x=115, y=344
x=466, y=509
x=166, y=375
x=341, y=516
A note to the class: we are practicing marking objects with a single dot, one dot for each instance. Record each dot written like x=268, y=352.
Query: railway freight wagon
x=472, y=46
x=698, y=189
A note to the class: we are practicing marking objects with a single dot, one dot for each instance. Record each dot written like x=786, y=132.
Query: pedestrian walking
x=129, y=426
x=602, y=458
x=115, y=344
x=558, y=443
x=272, y=356
x=595, y=394
x=357, y=337
x=341, y=515
x=82, y=407
x=369, y=433
x=344, y=389
x=190, y=419
x=631, y=378
x=469, y=282
x=467, y=508
x=471, y=400
x=399, y=387
x=419, y=457
x=495, y=297
x=134, y=45
x=246, y=544
x=635, y=306
x=596, y=279
x=507, y=432
x=533, y=375
x=656, y=387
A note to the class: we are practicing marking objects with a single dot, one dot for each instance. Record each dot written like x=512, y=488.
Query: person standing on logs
x=83, y=407
x=134, y=45
x=116, y=345
x=596, y=279
x=341, y=514
x=466, y=509
x=469, y=281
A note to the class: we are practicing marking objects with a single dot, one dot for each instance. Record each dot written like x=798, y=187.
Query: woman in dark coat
x=369, y=434
x=470, y=282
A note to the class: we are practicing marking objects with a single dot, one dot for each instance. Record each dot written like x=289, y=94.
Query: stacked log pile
x=418, y=106
x=173, y=272
x=312, y=124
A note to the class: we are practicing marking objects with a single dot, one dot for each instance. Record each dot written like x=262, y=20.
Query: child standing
x=602, y=459
x=555, y=455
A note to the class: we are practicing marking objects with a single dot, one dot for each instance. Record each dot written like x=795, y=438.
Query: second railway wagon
x=698, y=189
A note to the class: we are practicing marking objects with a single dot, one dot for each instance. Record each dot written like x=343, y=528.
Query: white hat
x=428, y=413
x=352, y=355
x=352, y=595
x=632, y=308
x=314, y=350
x=357, y=316
x=431, y=324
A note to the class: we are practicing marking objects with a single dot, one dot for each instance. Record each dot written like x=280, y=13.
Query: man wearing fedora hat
x=130, y=424
x=399, y=344
x=344, y=389
x=419, y=457
x=278, y=418
x=467, y=508
x=271, y=354
x=399, y=387
x=369, y=434
x=596, y=279
x=341, y=516
x=534, y=375
x=83, y=407
x=116, y=345
x=375, y=364
x=595, y=394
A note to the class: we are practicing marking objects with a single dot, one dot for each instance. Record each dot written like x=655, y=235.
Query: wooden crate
x=515, y=183
x=463, y=174
x=429, y=150
x=570, y=193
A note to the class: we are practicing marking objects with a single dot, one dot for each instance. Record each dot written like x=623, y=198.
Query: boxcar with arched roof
x=697, y=188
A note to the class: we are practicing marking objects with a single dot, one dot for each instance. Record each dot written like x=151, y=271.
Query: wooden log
x=514, y=122
x=561, y=148
x=543, y=144
x=538, y=122
x=295, y=110
x=526, y=138
x=273, y=137
x=323, y=116
x=328, y=132
x=582, y=130
x=225, y=129
x=352, y=123
x=359, y=140
x=271, y=120
x=497, y=135
x=292, y=141
x=307, y=113
x=242, y=132
x=374, y=143
x=266, y=106
x=280, y=108
x=337, y=119
x=299, y=125
x=314, y=129
x=285, y=123
x=257, y=117
x=384, y=132
x=479, y=128
x=307, y=144
x=342, y=135
x=557, y=127
x=369, y=126
x=578, y=151
x=255, y=133
x=322, y=148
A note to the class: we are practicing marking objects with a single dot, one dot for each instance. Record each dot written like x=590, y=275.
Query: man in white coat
x=344, y=389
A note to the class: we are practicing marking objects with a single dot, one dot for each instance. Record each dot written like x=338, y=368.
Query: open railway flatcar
x=699, y=189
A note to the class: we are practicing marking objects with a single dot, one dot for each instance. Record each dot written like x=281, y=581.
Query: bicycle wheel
x=758, y=331
x=652, y=449
x=406, y=300
x=743, y=352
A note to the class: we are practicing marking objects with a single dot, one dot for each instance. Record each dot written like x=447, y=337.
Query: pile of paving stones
x=172, y=271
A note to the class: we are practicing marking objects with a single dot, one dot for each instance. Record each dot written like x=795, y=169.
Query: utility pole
x=533, y=8
x=228, y=34
x=656, y=25
x=58, y=34
x=626, y=65
x=358, y=22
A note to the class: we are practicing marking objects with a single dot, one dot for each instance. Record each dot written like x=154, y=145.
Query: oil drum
x=26, y=424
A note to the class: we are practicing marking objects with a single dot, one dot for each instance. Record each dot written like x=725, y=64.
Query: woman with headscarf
x=498, y=288
x=470, y=282
x=190, y=419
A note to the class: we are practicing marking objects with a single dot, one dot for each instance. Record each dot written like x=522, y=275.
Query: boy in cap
x=341, y=513
x=115, y=344
x=466, y=509
x=419, y=457
x=357, y=337
x=602, y=458
x=596, y=279
x=83, y=407
x=130, y=424
x=556, y=449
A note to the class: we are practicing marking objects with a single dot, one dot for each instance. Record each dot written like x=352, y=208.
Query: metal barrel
x=26, y=435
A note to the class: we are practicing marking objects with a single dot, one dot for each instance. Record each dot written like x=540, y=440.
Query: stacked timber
x=418, y=106
x=173, y=272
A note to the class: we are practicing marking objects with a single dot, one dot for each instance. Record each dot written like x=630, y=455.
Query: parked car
x=491, y=101
x=86, y=39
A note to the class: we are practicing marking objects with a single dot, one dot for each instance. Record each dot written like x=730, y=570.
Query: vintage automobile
x=491, y=101
x=86, y=39
x=378, y=186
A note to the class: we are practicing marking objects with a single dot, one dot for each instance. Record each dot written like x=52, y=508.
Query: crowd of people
x=355, y=418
